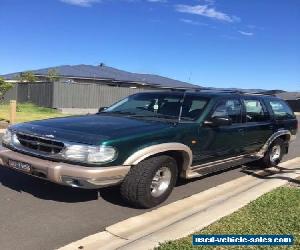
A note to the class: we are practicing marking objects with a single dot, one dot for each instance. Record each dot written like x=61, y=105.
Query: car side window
x=193, y=107
x=281, y=110
x=230, y=108
x=255, y=111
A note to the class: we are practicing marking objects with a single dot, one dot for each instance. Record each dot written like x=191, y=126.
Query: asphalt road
x=36, y=214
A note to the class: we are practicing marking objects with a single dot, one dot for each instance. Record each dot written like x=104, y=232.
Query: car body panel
x=220, y=142
x=90, y=129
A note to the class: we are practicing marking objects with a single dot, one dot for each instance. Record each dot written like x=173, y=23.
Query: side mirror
x=101, y=109
x=218, y=121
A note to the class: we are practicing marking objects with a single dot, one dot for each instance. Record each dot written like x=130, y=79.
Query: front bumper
x=67, y=174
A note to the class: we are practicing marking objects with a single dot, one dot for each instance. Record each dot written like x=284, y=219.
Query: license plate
x=22, y=166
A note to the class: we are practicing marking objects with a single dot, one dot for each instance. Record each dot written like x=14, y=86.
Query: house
x=104, y=75
x=86, y=87
x=292, y=98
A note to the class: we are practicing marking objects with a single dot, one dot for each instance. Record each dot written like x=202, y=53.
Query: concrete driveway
x=36, y=214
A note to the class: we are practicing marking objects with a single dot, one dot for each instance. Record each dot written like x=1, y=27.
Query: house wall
x=294, y=104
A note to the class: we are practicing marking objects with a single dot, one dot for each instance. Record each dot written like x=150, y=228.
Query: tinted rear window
x=281, y=110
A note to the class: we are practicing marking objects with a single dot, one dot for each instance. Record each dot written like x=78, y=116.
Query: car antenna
x=181, y=106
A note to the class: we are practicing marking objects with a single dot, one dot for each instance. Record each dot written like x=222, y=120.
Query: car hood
x=90, y=129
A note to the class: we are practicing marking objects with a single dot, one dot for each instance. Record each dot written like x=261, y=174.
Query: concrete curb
x=186, y=216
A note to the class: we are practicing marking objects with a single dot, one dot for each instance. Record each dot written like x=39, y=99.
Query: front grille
x=40, y=144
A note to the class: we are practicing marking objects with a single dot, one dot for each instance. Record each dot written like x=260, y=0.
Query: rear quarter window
x=281, y=110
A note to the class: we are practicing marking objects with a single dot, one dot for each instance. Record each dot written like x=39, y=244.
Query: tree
x=27, y=77
x=52, y=75
x=4, y=87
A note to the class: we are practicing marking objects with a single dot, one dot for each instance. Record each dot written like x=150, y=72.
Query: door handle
x=241, y=130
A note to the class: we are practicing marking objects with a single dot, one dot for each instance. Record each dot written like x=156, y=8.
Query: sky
x=215, y=43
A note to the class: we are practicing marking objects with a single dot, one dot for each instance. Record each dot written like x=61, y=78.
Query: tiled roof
x=105, y=72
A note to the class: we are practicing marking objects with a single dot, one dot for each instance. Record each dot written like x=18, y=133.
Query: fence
x=63, y=95
x=88, y=95
x=38, y=93
x=77, y=95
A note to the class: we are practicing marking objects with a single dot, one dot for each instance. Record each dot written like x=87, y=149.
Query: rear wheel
x=274, y=154
x=150, y=182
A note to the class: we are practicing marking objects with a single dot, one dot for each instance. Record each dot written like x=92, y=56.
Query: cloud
x=81, y=3
x=205, y=10
x=88, y=3
x=189, y=21
x=246, y=33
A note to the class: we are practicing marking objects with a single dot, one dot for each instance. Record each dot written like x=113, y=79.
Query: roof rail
x=196, y=89
x=241, y=92
x=200, y=89
x=259, y=93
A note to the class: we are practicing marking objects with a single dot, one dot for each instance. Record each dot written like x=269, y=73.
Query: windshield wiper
x=152, y=115
x=119, y=112
x=171, y=117
x=157, y=116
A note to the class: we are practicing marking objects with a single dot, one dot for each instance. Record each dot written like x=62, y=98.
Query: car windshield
x=161, y=105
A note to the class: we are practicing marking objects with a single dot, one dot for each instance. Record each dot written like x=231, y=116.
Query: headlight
x=10, y=138
x=7, y=137
x=90, y=154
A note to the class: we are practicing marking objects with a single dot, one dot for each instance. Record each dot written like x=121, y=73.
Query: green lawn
x=28, y=112
x=277, y=212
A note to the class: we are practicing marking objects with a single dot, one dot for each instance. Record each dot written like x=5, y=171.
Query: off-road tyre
x=136, y=187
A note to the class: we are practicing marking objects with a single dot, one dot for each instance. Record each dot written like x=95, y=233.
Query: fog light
x=71, y=181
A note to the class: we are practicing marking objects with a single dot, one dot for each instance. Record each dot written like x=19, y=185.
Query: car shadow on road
x=271, y=174
x=44, y=189
x=113, y=196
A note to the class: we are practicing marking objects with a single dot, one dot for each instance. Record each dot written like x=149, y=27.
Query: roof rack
x=203, y=89
x=241, y=92
x=259, y=93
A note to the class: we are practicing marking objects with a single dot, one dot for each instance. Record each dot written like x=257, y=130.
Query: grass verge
x=277, y=212
x=28, y=112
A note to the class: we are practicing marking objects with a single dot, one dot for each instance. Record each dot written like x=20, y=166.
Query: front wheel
x=150, y=182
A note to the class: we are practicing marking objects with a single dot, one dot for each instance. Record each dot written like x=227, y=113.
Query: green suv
x=147, y=141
